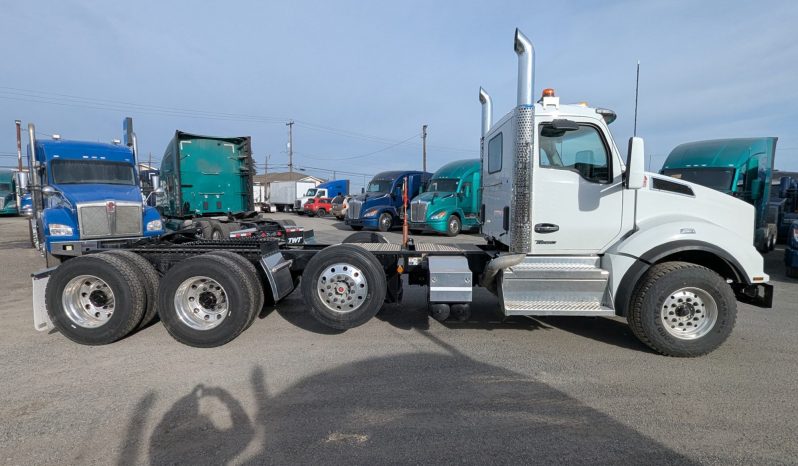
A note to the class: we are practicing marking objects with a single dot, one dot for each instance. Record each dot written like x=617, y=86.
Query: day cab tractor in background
x=85, y=196
x=740, y=167
x=207, y=186
x=572, y=228
x=380, y=207
x=328, y=189
x=8, y=193
x=451, y=200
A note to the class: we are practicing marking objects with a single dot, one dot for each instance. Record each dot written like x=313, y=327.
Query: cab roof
x=733, y=152
x=457, y=168
x=83, y=149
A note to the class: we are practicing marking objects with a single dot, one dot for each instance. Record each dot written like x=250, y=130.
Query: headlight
x=438, y=215
x=371, y=212
x=795, y=233
x=57, y=229
x=154, y=225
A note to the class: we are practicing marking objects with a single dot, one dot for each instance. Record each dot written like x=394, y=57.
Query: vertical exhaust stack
x=526, y=63
x=487, y=111
x=520, y=218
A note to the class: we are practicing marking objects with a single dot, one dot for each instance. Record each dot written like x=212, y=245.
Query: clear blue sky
x=359, y=77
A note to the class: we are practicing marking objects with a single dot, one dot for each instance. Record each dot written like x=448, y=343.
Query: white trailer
x=282, y=195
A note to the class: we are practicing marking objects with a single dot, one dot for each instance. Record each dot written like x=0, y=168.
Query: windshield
x=443, y=185
x=719, y=179
x=379, y=186
x=5, y=187
x=91, y=172
x=311, y=192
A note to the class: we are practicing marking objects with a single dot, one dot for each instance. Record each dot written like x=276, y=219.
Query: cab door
x=577, y=206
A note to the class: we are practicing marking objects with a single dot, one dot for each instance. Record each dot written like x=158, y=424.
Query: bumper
x=370, y=223
x=438, y=226
x=78, y=248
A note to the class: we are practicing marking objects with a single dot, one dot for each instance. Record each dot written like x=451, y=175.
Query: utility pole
x=424, y=147
x=19, y=144
x=290, y=125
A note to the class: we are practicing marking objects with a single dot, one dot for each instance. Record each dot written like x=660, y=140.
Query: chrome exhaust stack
x=487, y=111
x=526, y=63
x=520, y=218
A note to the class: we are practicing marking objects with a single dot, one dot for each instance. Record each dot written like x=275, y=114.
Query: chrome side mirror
x=48, y=190
x=22, y=180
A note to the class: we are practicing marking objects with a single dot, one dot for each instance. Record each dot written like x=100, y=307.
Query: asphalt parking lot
x=401, y=389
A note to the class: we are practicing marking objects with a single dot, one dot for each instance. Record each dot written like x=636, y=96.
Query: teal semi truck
x=740, y=167
x=207, y=186
x=451, y=202
x=8, y=193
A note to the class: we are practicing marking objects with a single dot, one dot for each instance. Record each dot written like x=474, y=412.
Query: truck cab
x=740, y=167
x=8, y=193
x=380, y=207
x=84, y=193
x=328, y=189
x=451, y=202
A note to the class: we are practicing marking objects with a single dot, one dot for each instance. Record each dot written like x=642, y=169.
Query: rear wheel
x=205, y=302
x=344, y=286
x=682, y=309
x=254, y=281
x=791, y=272
x=321, y=213
x=149, y=278
x=219, y=230
x=95, y=299
x=385, y=222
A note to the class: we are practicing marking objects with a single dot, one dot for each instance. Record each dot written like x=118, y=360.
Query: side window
x=581, y=150
x=495, y=154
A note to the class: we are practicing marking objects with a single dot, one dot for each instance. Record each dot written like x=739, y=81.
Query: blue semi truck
x=380, y=206
x=85, y=195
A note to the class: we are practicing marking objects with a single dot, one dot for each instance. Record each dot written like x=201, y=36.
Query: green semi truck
x=207, y=186
x=451, y=201
x=8, y=193
x=740, y=167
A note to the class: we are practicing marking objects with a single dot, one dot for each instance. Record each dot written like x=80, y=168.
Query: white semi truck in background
x=572, y=228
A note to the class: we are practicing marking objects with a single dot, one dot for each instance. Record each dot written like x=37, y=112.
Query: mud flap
x=41, y=321
x=278, y=271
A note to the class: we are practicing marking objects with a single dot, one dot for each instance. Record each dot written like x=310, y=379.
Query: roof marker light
x=548, y=92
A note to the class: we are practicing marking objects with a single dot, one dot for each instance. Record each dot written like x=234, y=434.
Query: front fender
x=62, y=216
x=150, y=214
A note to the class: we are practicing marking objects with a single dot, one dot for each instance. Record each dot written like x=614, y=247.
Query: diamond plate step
x=554, y=267
x=556, y=308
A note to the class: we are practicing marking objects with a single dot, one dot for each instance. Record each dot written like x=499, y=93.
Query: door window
x=581, y=150
x=495, y=154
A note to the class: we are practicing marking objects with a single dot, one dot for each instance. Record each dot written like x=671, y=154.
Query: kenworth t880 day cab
x=572, y=229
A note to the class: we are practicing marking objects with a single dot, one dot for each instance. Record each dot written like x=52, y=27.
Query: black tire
x=365, y=237
x=205, y=228
x=385, y=222
x=119, y=276
x=453, y=226
x=372, y=273
x=356, y=227
x=658, y=285
x=219, y=231
x=150, y=280
x=791, y=272
x=233, y=280
x=321, y=213
x=256, y=283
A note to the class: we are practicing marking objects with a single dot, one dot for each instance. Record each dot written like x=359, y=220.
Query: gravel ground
x=401, y=389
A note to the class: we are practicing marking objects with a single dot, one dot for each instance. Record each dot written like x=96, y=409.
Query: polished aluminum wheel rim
x=453, y=225
x=88, y=301
x=201, y=303
x=689, y=313
x=342, y=288
x=386, y=222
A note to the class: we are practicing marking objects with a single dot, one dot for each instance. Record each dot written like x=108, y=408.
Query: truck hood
x=79, y=193
x=666, y=203
x=435, y=197
x=373, y=198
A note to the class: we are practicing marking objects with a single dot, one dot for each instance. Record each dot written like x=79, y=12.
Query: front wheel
x=453, y=226
x=385, y=222
x=344, y=286
x=682, y=309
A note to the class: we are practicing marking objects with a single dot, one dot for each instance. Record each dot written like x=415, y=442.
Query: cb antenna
x=637, y=88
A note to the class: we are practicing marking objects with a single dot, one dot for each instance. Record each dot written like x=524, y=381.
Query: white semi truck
x=572, y=228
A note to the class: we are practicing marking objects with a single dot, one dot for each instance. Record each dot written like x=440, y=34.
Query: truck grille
x=418, y=211
x=109, y=219
x=353, y=211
